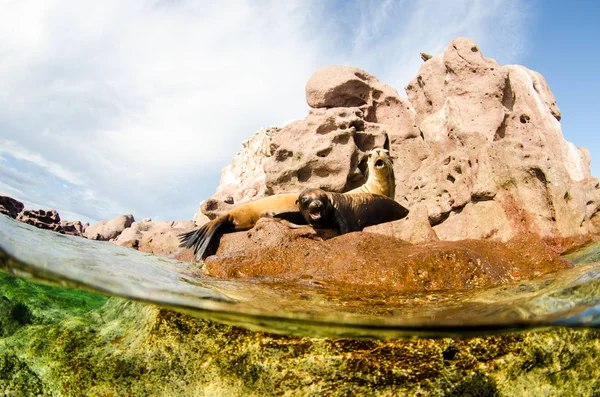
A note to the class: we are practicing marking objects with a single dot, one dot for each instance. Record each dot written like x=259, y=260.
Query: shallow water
x=570, y=298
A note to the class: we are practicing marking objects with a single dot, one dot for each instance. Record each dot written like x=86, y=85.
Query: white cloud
x=146, y=101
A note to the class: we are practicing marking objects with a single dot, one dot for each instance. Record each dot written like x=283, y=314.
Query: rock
x=74, y=228
x=139, y=349
x=159, y=238
x=108, y=230
x=244, y=179
x=378, y=263
x=11, y=207
x=491, y=161
x=415, y=228
x=199, y=218
x=477, y=143
x=44, y=219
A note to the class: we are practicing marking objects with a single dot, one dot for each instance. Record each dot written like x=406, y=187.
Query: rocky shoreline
x=495, y=194
x=479, y=159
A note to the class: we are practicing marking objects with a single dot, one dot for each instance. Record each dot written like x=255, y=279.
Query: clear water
x=570, y=298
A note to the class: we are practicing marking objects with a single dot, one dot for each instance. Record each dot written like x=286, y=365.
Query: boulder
x=74, y=228
x=378, y=263
x=44, y=219
x=108, y=230
x=11, y=207
x=159, y=238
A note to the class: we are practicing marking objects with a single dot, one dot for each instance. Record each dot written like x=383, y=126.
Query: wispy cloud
x=145, y=102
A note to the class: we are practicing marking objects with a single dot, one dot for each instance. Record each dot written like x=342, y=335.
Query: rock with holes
x=477, y=144
x=490, y=160
x=73, y=228
x=44, y=219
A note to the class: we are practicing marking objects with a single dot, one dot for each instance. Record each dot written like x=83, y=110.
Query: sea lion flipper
x=199, y=239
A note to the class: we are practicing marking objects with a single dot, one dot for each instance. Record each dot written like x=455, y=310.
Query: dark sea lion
x=380, y=180
x=380, y=175
x=347, y=212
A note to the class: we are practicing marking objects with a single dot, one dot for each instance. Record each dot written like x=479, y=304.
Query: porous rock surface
x=44, y=219
x=478, y=144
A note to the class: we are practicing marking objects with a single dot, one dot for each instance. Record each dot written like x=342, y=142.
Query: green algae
x=135, y=349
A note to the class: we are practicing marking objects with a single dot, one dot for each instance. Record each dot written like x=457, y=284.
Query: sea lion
x=242, y=217
x=347, y=212
x=380, y=175
x=380, y=180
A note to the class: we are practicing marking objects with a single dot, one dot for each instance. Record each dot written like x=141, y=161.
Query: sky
x=135, y=106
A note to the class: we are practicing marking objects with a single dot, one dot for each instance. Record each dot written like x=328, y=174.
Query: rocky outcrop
x=159, y=238
x=11, y=207
x=244, y=179
x=477, y=144
x=73, y=228
x=375, y=263
x=44, y=219
x=493, y=161
x=108, y=230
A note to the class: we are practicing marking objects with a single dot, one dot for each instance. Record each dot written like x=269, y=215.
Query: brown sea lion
x=347, y=212
x=242, y=217
x=380, y=180
x=380, y=175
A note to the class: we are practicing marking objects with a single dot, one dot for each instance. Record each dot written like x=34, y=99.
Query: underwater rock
x=378, y=262
x=128, y=348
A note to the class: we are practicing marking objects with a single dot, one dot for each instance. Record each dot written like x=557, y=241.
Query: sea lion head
x=381, y=168
x=314, y=205
x=379, y=161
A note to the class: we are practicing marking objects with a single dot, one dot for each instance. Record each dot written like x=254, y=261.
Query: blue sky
x=135, y=107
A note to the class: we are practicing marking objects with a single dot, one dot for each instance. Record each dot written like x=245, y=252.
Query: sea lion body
x=380, y=181
x=347, y=212
x=380, y=175
x=242, y=217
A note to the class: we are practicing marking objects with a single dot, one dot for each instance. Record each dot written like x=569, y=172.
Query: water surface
x=569, y=298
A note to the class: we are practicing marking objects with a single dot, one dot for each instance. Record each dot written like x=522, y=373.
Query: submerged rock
x=128, y=348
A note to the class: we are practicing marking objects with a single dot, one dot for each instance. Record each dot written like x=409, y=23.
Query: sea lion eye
x=304, y=199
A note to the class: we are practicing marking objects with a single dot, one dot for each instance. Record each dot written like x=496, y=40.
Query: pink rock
x=107, y=230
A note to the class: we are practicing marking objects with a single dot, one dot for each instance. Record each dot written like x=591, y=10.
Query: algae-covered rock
x=127, y=348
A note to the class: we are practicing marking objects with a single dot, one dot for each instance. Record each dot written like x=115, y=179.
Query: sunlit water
x=569, y=298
